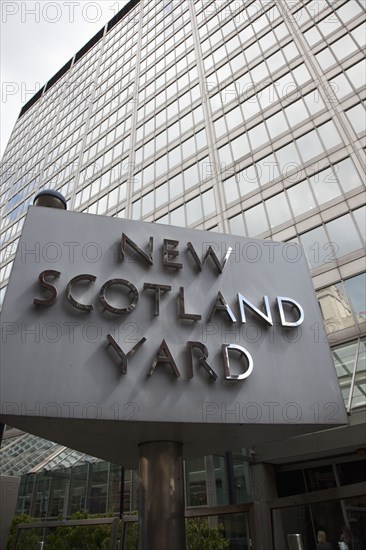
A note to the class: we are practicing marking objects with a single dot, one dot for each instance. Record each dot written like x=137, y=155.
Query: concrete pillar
x=161, y=496
x=263, y=489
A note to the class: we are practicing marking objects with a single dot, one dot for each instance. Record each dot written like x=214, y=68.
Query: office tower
x=244, y=117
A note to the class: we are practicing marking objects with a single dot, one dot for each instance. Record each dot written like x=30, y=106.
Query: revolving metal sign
x=117, y=332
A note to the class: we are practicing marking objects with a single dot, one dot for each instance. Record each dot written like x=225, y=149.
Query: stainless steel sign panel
x=143, y=331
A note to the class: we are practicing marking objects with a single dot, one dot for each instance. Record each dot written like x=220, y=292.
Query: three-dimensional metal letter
x=225, y=352
x=71, y=299
x=42, y=281
x=267, y=317
x=164, y=355
x=181, y=308
x=119, y=310
x=200, y=346
x=209, y=253
x=158, y=289
x=295, y=305
x=169, y=254
x=124, y=356
x=145, y=256
x=221, y=305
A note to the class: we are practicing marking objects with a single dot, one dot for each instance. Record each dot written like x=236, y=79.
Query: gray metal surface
x=104, y=379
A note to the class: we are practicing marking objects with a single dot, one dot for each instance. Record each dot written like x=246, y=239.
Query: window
x=316, y=246
x=343, y=47
x=360, y=219
x=237, y=225
x=325, y=59
x=343, y=304
x=356, y=74
x=329, y=135
x=287, y=157
x=257, y=136
x=340, y=87
x=357, y=118
x=309, y=146
x=356, y=289
x=256, y=220
x=278, y=210
x=347, y=175
x=301, y=198
x=325, y=186
x=343, y=233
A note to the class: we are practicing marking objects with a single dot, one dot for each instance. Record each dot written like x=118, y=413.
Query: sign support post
x=161, y=496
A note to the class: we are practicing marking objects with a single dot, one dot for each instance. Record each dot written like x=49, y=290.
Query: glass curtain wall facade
x=244, y=117
x=58, y=481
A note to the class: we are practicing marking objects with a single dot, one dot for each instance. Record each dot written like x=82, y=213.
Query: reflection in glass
x=356, y=288
x=344, y=362
x=335, y=307
x=221, y=483
x=195, y=478
x=344, y=357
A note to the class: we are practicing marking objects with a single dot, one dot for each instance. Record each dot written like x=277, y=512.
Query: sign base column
x=161, y=496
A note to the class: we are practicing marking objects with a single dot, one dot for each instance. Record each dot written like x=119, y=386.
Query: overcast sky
x=37, y=39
